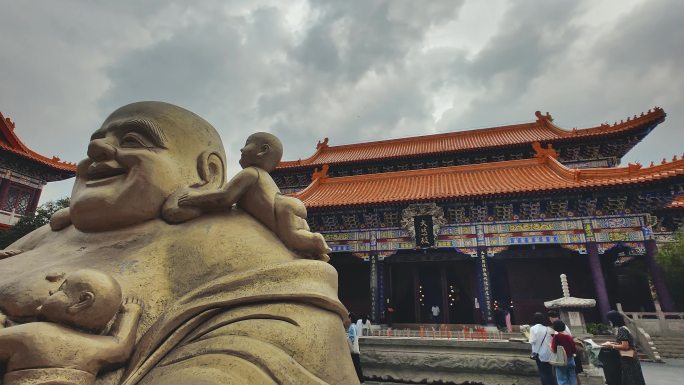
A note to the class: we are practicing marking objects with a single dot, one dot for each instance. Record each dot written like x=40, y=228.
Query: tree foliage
x=671, y=258
x=29, y=222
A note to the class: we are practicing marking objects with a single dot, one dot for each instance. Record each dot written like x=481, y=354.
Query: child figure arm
x=124, y=331
x=226, y=196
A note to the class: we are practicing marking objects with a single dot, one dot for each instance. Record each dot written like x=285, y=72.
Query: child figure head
x=261, y=150
x=87, y=299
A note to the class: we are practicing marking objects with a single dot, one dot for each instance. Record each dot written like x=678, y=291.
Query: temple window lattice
x=504, y=212
x=530, y=210
x=372, y=220
x=18, y=200
x=391, y=218
x=456, y=214
x=349, y=221
x=557, y=208
x=479, y=213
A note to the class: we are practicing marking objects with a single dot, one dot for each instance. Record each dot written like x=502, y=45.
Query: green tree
x=30, y=222
x=671, y=258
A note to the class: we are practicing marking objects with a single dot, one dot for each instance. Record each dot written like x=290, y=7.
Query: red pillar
x=35, y=197
x=599, y=280
x=658, y=276
x=4, y=189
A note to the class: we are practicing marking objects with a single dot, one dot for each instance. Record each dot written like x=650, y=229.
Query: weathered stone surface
x=429, y=360
x=225, y=301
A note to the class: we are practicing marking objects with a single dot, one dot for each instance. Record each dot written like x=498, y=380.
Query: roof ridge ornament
x=323, y=144
x=541, y=152
x=321, y=174
x=8, y=121
x=543, y=119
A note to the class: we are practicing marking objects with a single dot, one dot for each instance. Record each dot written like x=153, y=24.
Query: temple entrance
x=353, y=276
x=526, y=276
x=430, y=293
x=444, y=279
x=627, y=280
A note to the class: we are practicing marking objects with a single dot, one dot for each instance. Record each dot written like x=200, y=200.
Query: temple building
x=476, y=222
x=23, y=173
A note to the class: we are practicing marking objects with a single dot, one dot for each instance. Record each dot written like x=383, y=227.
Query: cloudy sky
x=352, y=70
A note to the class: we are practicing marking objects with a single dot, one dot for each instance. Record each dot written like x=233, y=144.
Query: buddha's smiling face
x=142, y=153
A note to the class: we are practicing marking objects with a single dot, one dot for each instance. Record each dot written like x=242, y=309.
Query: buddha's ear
x=211, y=169
x=212, y=172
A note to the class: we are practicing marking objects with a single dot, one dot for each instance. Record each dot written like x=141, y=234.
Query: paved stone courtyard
x=670, y=373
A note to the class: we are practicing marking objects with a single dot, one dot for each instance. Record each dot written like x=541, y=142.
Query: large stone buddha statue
x=225, y=301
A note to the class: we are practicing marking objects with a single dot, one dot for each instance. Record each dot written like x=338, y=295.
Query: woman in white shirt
x=540, y=339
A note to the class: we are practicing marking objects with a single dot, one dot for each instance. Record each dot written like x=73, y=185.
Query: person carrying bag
x=563, y=355
x=624, y=343
x=541, y=350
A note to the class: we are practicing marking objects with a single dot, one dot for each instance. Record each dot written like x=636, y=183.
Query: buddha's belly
x=27, y=279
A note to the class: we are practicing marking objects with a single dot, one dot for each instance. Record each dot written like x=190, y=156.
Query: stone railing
x=643, y=338
x=658, y=323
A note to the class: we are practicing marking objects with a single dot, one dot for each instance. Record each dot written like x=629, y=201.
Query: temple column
x=485, y=287
x=416, y=302
x=35, y=197
x=599, y=280
x=445, y=296
x=374, y=297
x=658, y=276
x=4, y=190
x=381, y=290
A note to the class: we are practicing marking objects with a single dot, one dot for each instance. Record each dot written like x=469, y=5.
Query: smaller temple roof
x=540, y=174
x=542, y=130
x=11, y=143
x=566, y=300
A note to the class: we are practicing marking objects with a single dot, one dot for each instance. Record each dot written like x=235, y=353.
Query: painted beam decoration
x=628, y=231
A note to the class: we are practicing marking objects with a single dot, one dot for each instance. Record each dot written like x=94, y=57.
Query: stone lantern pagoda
x=569, y=308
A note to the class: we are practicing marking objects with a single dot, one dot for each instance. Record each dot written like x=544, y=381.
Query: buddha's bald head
x=143, y=153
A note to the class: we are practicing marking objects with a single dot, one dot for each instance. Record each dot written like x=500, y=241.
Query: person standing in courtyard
x=540, y=340
x=624, y=344
x=435, y=314
x=565, y=375
x=553, y=317
x=353, y=340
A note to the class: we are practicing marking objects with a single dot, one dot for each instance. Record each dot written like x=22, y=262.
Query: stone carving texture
x=226, y=301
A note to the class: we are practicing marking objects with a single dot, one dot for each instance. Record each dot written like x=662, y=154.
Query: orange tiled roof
x=543, y=173
x=11, y=143
x=542, y=130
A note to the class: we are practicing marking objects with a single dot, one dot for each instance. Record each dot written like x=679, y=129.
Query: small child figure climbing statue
x=67, y=347
x=255, y=192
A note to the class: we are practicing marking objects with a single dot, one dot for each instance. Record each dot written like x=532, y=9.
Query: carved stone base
x=427, y=361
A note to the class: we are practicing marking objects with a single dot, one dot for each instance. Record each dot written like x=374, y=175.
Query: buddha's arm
x=31, y=240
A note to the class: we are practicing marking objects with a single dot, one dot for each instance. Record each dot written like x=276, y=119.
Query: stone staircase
x=669, y=347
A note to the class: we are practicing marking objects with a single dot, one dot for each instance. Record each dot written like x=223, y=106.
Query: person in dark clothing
x=565, y=375
x=624, y=342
